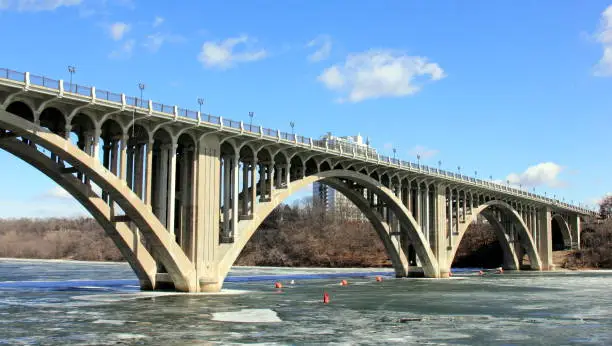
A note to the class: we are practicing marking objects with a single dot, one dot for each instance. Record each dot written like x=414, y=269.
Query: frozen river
x=84, y=303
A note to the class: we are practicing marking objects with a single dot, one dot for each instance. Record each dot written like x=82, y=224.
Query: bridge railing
x=340, y=147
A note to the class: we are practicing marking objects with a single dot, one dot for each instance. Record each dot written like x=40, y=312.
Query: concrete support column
x=149, y=174
x=409, y=198
x=123, y=157
x=226, y=197
x=172, y=189
x=442, y=249
x=271, y=171
x=114, y=157
x=279, y=176
x=536, y=227
x=574, y=225
x=129, y=171
x=185, y=199
x=545, y=244
x=139, y=162
x=426, y=216
x=235, y=190
x=245, y=189
x=449, y=214
x=418, y=204
x=67, y=131
x=162, y=186
x=464, y=211
x=253, y=186
x=95, y=149
x=457, y=214
x=262, y=182
x=287, y=175
x=87, y=142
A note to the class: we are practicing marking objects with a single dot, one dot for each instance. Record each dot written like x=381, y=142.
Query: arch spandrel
x=525, y=235
x=130, y=247
x=246, y=229
x=564, y=228
x=168, y=252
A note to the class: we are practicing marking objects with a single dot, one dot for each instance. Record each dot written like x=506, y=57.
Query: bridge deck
x=105, y=101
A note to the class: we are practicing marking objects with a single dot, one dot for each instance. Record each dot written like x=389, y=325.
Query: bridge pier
x=545, y=236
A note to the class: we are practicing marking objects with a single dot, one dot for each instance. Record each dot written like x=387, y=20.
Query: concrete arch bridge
x=180, y=193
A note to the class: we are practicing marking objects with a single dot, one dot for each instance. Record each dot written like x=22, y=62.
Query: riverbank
x=289, y=238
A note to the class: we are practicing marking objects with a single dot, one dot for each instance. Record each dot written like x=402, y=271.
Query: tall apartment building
x=328, y=198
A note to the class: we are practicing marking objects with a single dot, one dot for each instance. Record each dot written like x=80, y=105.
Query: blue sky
x=522, y=93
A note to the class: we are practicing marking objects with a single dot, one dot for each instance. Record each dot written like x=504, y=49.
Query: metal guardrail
x=328, y=145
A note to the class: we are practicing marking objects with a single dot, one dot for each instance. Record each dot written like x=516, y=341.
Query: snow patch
x=247, y=316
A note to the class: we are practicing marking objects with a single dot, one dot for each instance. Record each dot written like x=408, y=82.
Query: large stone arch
x=564, y=228
x=128, y=244
x=408, y=224
x=510, y=258
x=165, y=249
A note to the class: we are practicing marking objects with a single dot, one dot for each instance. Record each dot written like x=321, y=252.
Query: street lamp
x=475, y=174
x=439, y=165
x=292, y=124
x=491, y=178
x=251, y=115
x=141, y=86
x=71, y=70
x=459, y=170
x=419, y=160
x=200, y=102
x=394, y=151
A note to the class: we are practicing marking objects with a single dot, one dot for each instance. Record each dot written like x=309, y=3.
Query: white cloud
x=604, y=36
x=118, y=30
x=325, y=46
x=36, y=5
x=424, y=152
x=125, y=51
x=222, y=55
x=58, y=192
x=379, y=73
x=155, y=41
x=158, y=21
x=546, y=173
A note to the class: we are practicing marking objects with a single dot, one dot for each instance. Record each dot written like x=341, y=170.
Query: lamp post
x=439, y=165
x=394, y=151
x=491, y=177
x=141, y=86
x=251, y=115
x=475, y=174
x=71, y=70
x=200, y=102
x=292, y=124
x=419, y=160
x=459, y=170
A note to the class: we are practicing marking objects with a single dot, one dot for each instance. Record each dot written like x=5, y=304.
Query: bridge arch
x=132, y=250
x=561, y=235
x=165, y=250
x=510, y=257
x=333, y=177
x=21, y=109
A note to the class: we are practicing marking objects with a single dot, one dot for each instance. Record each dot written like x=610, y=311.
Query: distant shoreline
x=60, y=260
